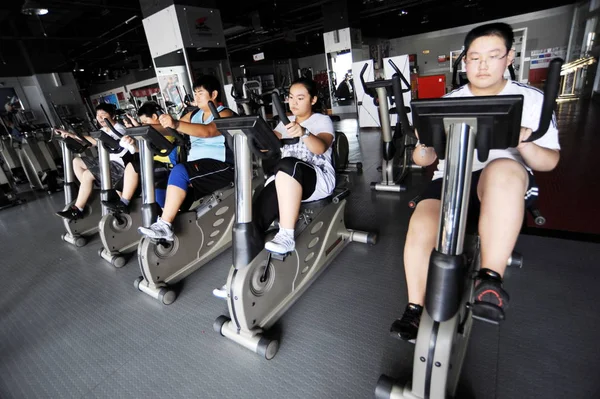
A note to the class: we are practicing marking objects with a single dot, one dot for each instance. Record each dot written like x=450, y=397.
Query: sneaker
x=72, y=213
x=488, y=288
x=158, y=231
x=116, y=206
x=281, y=244
x=221, y=292
x=407, y=327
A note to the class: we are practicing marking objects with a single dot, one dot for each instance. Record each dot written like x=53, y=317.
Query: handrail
x=577, y=64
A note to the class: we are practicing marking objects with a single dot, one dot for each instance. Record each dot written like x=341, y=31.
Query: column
x=185, y=41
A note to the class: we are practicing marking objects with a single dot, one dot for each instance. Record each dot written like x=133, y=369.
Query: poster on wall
x=111, y=99
x=170, y=85
x=541, y=58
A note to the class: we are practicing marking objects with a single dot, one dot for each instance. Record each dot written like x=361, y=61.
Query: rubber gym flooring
x=72, y=326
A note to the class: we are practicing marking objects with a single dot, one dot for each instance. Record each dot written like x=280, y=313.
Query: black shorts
x=161, y=171
x=434, y=191
x=116, y=171
x=303, y=172
x=207, y=176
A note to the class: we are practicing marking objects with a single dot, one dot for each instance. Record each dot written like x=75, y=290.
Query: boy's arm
x=537, y=158
x=194, y=129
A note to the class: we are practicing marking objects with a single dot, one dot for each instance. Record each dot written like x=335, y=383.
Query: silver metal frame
x=439, y=349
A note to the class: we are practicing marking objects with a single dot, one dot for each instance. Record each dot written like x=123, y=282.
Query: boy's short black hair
x=500, y=29
x=109, y=108
x=148, y=109
x=210, y=84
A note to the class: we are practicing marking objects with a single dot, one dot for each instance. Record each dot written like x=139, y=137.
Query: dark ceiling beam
x=83, y=4
x=47, y=38
x=305, y=29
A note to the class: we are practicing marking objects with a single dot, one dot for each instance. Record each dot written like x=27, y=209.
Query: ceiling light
x=31, y=7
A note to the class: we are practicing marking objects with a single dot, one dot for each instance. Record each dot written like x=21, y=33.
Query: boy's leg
x=420, y=242
x=295, y=180
x=130, y=182
x=79, y=167
x=86, y=185
x=126, y=181
x=501, y=190
x=85, y=189
x=206, y=176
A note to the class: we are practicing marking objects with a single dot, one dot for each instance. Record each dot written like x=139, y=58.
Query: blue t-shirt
x=208, y=147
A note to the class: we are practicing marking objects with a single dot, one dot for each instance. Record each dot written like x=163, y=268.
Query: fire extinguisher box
x=432, y=86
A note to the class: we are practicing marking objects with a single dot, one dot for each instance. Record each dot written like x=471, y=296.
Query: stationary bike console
x=158, y=143
x=110, y=144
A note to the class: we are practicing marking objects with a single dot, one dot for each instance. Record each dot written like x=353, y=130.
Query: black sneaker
x=116, y=206
x=72, y=213
x=490, y=300
x=407, y=327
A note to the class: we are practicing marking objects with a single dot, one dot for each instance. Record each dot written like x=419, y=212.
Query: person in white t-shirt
x=502, y=187
x=304, y=173
x=87, y=169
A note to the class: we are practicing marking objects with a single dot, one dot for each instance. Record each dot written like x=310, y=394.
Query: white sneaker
x=221, y=292
x=158, y=231
x=281, y=244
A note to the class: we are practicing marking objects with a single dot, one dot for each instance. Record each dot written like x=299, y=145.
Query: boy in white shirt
x=503, y=186
x=87, y=169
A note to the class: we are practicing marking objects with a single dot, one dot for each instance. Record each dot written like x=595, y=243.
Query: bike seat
x=316, y=204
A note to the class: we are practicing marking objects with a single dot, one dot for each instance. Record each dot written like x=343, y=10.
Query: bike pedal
x=278, y=256
x=486, y=312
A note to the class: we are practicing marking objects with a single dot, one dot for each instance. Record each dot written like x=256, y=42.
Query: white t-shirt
x=316, y=124
x=118, y=158
x=532, y=107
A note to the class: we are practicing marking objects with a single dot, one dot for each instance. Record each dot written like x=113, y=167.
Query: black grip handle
x=455, y=69
x=280, y=109
x=213, y=110
x=550, y=94
x=178, y=137
x=399, y=98
x=112, y=128
x=401, y=76
x=362, y=80
x=284, y=119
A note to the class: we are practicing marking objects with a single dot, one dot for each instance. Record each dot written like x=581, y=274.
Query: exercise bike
x=117, y=230
x=262, y=286
x=78, y=231
x=202, y=233
x=454, y=127
x=396, y=148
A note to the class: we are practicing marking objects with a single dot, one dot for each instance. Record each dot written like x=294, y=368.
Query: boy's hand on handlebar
x=128, y=140
x=167, y=121
x=63, y=133
x=128, y=143
x=294, y=129
x=130, y=121
x=524, y=135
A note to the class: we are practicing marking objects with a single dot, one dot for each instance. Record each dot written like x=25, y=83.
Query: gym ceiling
x=91, y=37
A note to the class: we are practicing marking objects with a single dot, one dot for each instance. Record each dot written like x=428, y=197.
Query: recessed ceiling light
x=31, y=7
